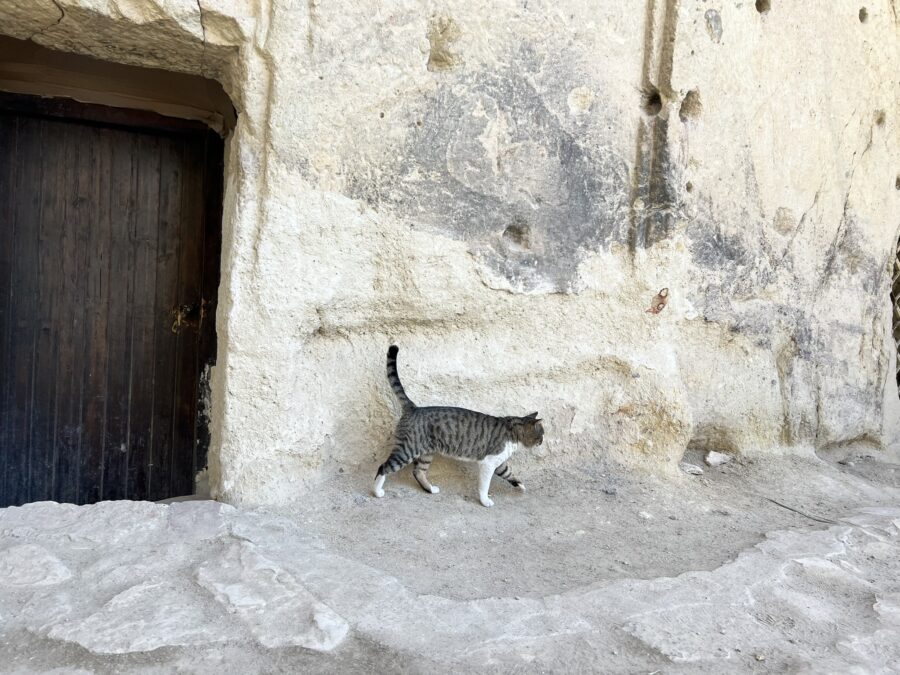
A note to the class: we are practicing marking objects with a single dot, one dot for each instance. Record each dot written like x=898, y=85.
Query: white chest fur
x=508, y=449
x=507, y=452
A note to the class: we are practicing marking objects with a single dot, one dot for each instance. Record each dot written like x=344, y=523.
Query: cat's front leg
x=505, y=472
x=485, y=473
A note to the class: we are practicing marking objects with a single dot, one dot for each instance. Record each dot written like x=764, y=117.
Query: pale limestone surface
x=29, y=565
x=501, y=188
x=173, y=598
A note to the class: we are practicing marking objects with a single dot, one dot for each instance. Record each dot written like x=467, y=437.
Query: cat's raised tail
x=394, y=379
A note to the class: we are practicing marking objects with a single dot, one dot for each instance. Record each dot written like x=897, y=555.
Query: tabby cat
x=455, y=432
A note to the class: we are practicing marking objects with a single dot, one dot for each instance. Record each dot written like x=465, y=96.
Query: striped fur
x=394, y=379
x=454, y=432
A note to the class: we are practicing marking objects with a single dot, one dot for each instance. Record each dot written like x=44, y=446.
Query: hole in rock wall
x=880, y=118
x=518, y=233
x=651, y=102
x=443, y=32
x=708, y=439
x=691, y=106
x=863, y=15
x=763, y=6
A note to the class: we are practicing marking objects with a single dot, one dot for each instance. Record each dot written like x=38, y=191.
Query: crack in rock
x=62, y=15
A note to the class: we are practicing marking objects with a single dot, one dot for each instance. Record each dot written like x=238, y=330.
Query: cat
x=464, y=434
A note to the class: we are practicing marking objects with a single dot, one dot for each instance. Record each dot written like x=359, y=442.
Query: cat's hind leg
x=504, y=471
x=420, y=472
x=400, y=456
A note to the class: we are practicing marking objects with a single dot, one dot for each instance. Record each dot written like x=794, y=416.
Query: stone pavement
x=200, y=586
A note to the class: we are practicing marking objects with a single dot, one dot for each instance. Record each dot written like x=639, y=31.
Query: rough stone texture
x=502, y=188
x=29, y=565
x=144, y=617
x=278, y=610
x=204, y=588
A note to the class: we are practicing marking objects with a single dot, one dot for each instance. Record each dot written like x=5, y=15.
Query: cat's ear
x=531, y=416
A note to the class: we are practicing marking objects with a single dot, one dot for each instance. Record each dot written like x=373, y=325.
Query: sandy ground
x=597, y=570
x=572, y=528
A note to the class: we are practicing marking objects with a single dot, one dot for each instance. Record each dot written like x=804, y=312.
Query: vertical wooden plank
x=71, y=341
x=143, y=342
x=84, y=210
x=95, y=288
x=171, y=187
x=119, y=303
x=27, y=219
x=8, y=164
x=52, y=195
x=187, y=367
x=56, y=239
x=32, y=309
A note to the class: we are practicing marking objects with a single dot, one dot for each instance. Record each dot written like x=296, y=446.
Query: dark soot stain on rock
x=491, y=156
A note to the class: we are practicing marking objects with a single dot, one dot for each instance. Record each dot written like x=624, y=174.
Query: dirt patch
x=573, y=529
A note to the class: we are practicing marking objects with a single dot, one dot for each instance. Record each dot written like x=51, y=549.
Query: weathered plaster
x=502, y=189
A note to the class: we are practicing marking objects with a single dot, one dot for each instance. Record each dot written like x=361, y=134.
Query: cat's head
x=530, y=431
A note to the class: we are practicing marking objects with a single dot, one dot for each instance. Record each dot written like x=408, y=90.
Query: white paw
x=435, y=489
x=487, y=501
x=378, y=487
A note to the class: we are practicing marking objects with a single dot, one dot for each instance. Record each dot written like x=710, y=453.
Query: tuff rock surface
x=199, y=586
x=503, y=188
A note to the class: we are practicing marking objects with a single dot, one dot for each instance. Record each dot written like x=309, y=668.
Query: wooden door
x=109, y=264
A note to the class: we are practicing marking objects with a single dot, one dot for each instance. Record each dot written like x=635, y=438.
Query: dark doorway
x=895, y=302
x=109, y=265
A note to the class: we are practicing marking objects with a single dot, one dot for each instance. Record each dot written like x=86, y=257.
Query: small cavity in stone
x=442, y=33
x=785, y=220
x=713, y=25
x=580, y=101
x=689, y=186
x=691, y=106
x=763, y=6
x=897, y=183
x=879, y=117
x=518, y=233
x=652, y=102
x=863, y=15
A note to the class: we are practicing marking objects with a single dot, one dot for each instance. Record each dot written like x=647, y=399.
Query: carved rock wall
x=502, y=189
